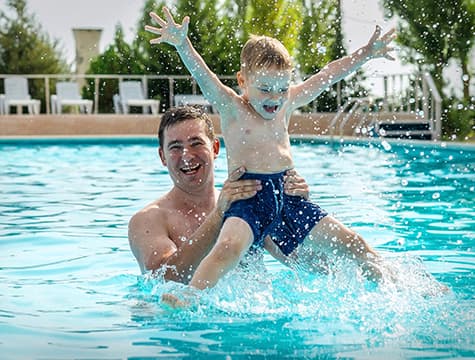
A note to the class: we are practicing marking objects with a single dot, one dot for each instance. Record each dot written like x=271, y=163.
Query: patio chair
x=131, y=94
x=192, y=99
x=67, y=94
x=16, y=94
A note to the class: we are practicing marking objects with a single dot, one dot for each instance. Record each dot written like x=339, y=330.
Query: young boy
x=254, y=126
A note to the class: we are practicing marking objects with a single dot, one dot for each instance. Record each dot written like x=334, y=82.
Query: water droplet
x=386, y=145
x=435, y=195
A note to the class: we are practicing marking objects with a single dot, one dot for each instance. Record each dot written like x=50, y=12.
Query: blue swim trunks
x=286, y=219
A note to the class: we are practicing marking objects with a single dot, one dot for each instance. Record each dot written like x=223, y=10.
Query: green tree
x=212, y=34
x=26, y=49
x=118, y=58
x=433, y=32
x=218, y=29
x=320, y=42
x=276, y=18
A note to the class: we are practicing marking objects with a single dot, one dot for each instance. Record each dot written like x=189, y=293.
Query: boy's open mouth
x=271, y=109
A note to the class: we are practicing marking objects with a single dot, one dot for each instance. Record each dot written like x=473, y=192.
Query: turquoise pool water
x=70, y=288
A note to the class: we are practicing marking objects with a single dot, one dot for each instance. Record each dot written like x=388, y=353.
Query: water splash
x=409, y=305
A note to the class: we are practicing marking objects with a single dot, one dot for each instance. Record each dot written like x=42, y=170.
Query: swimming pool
x=70, y=288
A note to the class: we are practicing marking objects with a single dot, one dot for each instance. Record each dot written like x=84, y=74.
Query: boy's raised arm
x=177, y=35
x=377, y=47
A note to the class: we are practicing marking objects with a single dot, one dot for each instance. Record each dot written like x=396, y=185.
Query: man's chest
x=182, y=225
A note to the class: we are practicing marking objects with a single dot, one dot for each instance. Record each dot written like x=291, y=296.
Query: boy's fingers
x=390, y=32
x=168, y=15
x=153, y=29
x=157, y=18
x=185, y=23
x=376, y=34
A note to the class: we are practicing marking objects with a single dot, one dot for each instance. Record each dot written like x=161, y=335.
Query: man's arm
x=154, y=249
x=177, y=35
x=150, y=242
x=377, y=47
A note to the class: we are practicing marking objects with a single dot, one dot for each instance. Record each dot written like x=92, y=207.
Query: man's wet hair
x=179, y=114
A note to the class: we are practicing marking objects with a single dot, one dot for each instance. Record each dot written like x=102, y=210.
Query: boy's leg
x=330, y=235
x=234, y=240
x=304, y=257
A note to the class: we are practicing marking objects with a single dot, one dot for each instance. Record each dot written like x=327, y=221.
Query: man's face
x=189, y=155
x=267, y=90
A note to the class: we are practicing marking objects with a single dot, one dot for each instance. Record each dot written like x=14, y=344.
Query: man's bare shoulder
x=153, y=215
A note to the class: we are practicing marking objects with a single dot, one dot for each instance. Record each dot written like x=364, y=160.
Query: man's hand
x=235, y=189
x=170, y=32
x=295, y=185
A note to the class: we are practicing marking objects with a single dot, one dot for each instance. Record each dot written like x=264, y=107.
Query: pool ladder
x=371, y=123
x=353, y=107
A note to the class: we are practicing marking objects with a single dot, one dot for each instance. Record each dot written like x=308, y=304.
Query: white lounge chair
x=16, y=94
x=192, y=99
x=67, y=94
x=131, y=94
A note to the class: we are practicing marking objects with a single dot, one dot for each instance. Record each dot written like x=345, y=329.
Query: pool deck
x=308, y=124
x=125, y=125
x=302, y=126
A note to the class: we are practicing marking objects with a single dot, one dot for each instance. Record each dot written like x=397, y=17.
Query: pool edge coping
x=321, y=139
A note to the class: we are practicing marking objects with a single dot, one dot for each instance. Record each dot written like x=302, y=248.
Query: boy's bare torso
x=260, y=145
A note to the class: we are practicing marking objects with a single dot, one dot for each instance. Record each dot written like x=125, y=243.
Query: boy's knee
x=230, y=247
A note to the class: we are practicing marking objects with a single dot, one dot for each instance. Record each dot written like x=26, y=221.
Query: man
x=176, y=231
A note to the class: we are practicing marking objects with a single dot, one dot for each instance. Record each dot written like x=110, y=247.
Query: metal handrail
x=422, y=98
x=348, y=109
x=433, y=106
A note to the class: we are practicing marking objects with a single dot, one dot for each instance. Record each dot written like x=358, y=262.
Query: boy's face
x=266, y=90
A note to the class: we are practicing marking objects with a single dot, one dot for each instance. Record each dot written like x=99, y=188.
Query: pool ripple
x=70, y=287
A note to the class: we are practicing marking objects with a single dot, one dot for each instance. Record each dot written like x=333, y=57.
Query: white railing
x=402, y=93
x=49, y=78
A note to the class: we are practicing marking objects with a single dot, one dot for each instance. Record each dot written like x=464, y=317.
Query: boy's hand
x=170, y=32
x=378, y=45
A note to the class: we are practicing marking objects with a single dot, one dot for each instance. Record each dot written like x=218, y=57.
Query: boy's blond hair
x=263, y=52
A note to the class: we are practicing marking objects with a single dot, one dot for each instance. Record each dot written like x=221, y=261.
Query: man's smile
x=190, y=169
